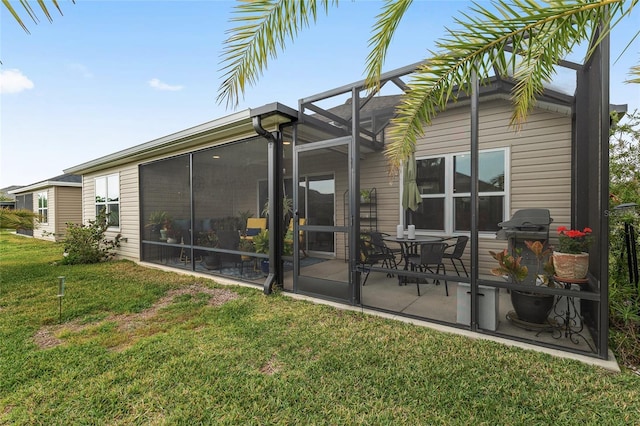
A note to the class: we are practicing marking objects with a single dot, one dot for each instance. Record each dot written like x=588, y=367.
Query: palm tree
x=520, y=38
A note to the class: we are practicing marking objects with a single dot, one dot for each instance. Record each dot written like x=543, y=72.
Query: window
x=444, y=183
x=43, y=207
x=108, y=198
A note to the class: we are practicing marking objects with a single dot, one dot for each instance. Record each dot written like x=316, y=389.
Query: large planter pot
x=572, y=266
x=532, y=307
x=211, y=261
x=154, y=232
x=264, y=266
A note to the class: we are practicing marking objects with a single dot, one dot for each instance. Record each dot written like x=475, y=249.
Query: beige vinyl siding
x=129, y=212
x=129, y=208
x=540, y=162
x=68, y=208
x=46, y=231
x=373, y=174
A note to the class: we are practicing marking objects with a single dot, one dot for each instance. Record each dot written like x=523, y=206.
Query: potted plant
x=287, y=208
x=572, y=258
x=156, y=223
x=261, y=244
x=529, y=306
x=509, y=266
x=207, y=239
x=243, y=216
x=288, y=242
x=246, y=246
x=173, y=233
x=210, y=260
x=365, y=195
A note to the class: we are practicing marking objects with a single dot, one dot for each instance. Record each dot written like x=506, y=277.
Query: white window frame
x=43, y=210
x=449, y=195
x=107, y=203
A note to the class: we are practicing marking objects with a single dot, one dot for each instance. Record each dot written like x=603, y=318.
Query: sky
x=109, y=75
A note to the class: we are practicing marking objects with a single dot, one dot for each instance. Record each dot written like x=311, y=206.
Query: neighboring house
x=8, y=200
x=181, y=201
x=57, y=201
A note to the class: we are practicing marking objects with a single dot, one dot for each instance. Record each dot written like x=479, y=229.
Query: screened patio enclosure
x=474, y=171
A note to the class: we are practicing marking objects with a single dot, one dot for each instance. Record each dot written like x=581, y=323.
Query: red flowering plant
x=574, y=241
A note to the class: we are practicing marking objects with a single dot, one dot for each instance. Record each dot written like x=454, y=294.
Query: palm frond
x=17, y=219
x=635, y=73
x=30, y=12
x=383, y=30
x=266, y=25
x=522, y=39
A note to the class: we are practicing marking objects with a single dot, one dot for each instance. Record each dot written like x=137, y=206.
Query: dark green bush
x=624, y=295
x=87, y=243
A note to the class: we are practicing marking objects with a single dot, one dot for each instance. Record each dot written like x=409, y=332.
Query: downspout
x=275, y=208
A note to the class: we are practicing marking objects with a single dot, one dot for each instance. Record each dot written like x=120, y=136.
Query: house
x=182, y=201
x=7, y=200
x=57, y=201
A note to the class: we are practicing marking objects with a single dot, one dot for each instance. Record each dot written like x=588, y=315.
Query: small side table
x=569, y=323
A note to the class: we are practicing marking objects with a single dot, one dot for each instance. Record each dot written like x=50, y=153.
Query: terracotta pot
x=572, y=266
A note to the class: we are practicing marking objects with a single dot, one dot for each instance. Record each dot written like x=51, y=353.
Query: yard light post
x=60, y=296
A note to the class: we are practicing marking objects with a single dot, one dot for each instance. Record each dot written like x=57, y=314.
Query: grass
x=141, y=346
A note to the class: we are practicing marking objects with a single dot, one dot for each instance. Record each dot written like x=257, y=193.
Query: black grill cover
x=526, y=223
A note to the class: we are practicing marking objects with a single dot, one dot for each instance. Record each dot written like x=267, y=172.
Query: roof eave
x=45, y=184
x=235, y=124
x=156, y=146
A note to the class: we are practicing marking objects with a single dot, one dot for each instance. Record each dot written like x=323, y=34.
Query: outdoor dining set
x=421, y=253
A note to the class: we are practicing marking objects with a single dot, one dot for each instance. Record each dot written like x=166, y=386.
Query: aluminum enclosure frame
x=590, y=106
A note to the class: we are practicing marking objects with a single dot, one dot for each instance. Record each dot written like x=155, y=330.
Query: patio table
x=410, y=246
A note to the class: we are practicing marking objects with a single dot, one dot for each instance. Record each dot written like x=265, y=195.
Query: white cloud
x=159, y=85
x=81, y=69
x=13, y=81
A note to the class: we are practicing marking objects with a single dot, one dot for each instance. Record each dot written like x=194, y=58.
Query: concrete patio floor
x=383, y=293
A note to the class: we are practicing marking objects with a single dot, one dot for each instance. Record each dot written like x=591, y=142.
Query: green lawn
x=140, y=346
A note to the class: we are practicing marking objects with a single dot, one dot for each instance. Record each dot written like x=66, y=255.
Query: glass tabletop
x=417, y=239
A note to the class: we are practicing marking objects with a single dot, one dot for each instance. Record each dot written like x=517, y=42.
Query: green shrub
x=87, y=244
x=624, y=296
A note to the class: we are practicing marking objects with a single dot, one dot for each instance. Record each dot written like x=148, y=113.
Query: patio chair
x=377, y=238
x=255, y=225
x=289, y=236
x=431, y=255
x=457, y=252
x=369, y=256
